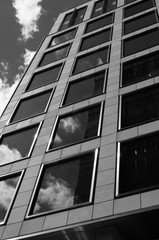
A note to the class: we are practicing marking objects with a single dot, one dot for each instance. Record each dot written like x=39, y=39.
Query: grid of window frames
x=103, y=6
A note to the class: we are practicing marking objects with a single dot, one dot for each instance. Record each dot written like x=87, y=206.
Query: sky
x=23, y=25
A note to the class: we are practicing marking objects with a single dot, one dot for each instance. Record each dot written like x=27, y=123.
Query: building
x=80, y=136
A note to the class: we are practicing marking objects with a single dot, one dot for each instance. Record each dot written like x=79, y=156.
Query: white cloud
x=28, y=13
x=70, y=124
x=27, y=56
x=8, y=155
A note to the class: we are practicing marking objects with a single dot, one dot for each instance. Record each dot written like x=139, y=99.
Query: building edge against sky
x=79, y=138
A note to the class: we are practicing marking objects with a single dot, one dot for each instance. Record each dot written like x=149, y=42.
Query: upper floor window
x=88, y=87
x=138, y=165
x=73, y=18
x=103, y=6
x=140, y=22
x=63, y=37
x=99, y=23
x=141, y=42
x=77, y=127
x=96, y=39
x=91, y=60
x=138, y=7
x=140, y=69
x=129, y=1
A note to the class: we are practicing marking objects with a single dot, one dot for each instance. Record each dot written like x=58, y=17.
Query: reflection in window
x=43, y=78
x=65, y=184
x=141, y=42
x=140, y=22
x=138, y=7
x=29, y=107
x=85, y=88
x=99, y=23
x=8, y=186
x=76, y=127
x=141, y=69
x=54, y=55
x=73, y=18
x=18, y=144
x=91, y=60
x=96, y=39
x=140, y=106
x=139, y=165
x=64, y=37
x=103, y=6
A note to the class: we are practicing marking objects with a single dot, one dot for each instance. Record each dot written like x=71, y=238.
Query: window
x=99, y=23
x=140, y=22
x=64, y=37
x=91, y=60
x=138, y=7
x=8, y=186
x=141, y=69
x=54, y=55
x=140, y=106
x=17, y=145
x=76, y=127
x=43, y=78
x=96, y=39
x=141, y=42
x=29, y=107
x=73, y=18
x=129, y=1
x=65, y=184
x=103, y=6
x=88, y=87
x=138, y=165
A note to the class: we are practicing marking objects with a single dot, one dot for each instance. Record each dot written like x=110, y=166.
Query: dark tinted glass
x=141, y=69
x=99, y=23
x=138, y=7
x=54, y=55
x=141, y=42
x=140, y=107
x=103, y=6
x=32, y=106
x=77, y=127
x=139, y=165
x=91, y=60
x=85, y=88
x=129, y=1
x=64, y=37
x=45, y=77
x=65, y=184
x=96, y=39
x=140, y=22
x=66, y=21
x=17, y=145
x=8, y=185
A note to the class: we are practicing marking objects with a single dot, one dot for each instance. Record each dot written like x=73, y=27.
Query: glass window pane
x=77, y=17
x=54, y=55
x=43, y=78
x=8, y=186
x=96, y=39
x=140, y=22
x=94, y=59
x=129, y=1
x=29, y=107
x=97, y=8
x=103, y=6
x=138, y=7
x=66, y=21
x=99, y=23
x=77, y=127
x=17, y=145
x=139, y=165
x=141, y=69
x=65, y=184
x=64, y=37
x=85, y=88
x=141, y=42
x=140, y=106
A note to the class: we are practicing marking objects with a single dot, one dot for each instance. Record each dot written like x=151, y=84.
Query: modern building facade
x=79, y=141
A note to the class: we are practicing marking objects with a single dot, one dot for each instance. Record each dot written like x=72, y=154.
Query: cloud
x=56, y=195
x=70, y=124
x=27, y=56
x=28, y=13
x=8, y=155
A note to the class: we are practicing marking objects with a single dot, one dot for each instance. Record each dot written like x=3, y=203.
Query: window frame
x=55, y=126
x=103, y=5
x=64, y=160
x=6, y=176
